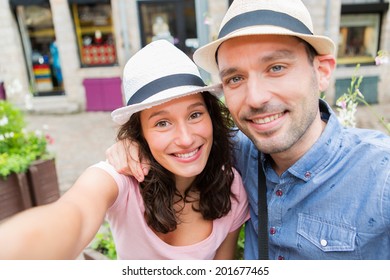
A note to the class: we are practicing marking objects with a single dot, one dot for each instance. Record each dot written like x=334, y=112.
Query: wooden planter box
x=43, y=182
x=14, y=195
x=38, y=186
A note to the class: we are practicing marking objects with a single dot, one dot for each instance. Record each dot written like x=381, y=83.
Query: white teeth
x=267, y=119
x=187, y=155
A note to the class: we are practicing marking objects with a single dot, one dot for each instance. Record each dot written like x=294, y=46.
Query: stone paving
x=81, y=139
x=366, y=116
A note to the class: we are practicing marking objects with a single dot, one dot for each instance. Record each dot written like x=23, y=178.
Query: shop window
x=359, y=36
x=94, y=30
x=360, y=31
x=40, y=47
x=172, y=20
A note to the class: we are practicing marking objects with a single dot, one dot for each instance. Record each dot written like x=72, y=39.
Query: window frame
x=361, y=9
x=80, y=31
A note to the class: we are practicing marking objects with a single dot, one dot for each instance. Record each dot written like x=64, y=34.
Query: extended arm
x=60, y=230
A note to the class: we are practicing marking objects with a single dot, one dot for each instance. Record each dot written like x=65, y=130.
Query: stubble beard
x=292, y=135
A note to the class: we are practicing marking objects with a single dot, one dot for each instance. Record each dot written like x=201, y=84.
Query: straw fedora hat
x=158, y=73
x=258, y=17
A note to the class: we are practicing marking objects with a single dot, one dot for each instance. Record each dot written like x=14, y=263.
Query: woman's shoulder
x=124, y=182
x=237, y=187
x=104, y=165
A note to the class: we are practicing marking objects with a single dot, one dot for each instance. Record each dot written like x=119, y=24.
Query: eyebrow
x=277, y=55
x=227, y=72
x=192, y=106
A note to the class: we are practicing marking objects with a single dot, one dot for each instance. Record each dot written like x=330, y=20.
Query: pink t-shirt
x=135, y=240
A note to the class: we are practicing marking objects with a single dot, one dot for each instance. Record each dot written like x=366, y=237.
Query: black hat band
x=164, y=83
x=264, y=17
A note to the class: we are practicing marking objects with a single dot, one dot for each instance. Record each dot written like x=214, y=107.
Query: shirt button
x=281, y=258
x=324, y=243
x=279, y=192
x=272, y=230
x=307, y=174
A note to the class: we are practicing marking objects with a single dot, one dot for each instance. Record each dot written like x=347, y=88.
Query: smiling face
x=272, y=90
x=180, y=135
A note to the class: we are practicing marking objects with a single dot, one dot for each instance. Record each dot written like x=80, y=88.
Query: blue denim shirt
x=333, y=203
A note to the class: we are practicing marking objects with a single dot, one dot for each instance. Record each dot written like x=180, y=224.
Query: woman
x=192, y=203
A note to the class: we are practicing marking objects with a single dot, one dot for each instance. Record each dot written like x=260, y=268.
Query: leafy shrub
x=104, y=242
x=18, y=147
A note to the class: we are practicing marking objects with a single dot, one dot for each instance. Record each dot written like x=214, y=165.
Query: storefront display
x=39, y=42
x=94, y=32
x=360, y=31
x=359, y=38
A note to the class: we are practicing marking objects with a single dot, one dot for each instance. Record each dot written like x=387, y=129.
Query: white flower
x=342, y=104
x=347, y=110
x=4, y=121
x=38, y=133
x=9, y=135
x=382, y=58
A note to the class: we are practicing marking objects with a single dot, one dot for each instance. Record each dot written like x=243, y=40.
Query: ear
x=324, y=65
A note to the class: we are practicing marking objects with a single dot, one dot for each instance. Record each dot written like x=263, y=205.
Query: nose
x=184, y=136
x=256, y=93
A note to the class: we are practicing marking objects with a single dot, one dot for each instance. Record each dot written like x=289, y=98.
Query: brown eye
x=162, y=124
x=195, y=115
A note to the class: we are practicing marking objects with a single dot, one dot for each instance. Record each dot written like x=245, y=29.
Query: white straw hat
x=158, y=73
x=263, y=17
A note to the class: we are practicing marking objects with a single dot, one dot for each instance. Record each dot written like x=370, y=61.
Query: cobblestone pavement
x=80, y=140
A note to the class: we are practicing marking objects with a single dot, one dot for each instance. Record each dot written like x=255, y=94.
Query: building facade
x=68, y=55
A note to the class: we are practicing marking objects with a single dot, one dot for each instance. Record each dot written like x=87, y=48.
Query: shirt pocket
x=328, y=236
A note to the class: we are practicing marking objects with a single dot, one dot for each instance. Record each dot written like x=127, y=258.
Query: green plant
x=18, y=147
x=240, y=244
x=104, y=242
x=348, y=103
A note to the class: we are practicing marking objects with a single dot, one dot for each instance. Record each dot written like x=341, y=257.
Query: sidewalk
x=366, y=118
x=81, y=139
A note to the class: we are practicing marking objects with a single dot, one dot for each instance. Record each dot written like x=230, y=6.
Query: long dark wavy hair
x=212, y=185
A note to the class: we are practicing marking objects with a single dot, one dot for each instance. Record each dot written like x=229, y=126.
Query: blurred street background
x=79, y=140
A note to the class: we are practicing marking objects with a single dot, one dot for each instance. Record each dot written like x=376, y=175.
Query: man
x=328, y=188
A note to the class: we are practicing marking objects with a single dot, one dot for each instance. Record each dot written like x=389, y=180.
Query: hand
x=124, y=156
